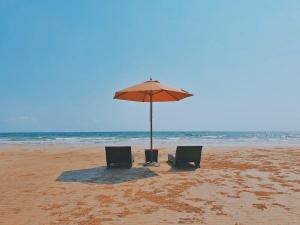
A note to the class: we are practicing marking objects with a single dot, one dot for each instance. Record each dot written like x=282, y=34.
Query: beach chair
x=186, y=154
x=119, y=154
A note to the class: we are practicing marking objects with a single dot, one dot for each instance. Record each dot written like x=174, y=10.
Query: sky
x=62, y=61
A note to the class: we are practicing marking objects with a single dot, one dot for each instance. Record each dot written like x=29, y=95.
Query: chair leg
x=107, y=165
x=129, y=165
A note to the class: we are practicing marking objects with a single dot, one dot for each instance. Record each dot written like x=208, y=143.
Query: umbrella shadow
x=102, y=175
x=183, y=167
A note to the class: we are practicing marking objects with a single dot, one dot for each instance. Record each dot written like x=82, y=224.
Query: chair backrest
x=118, y=154
x=188, y=153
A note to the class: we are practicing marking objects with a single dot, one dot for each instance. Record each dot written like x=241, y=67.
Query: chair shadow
x=182, y=167
x=102, y=175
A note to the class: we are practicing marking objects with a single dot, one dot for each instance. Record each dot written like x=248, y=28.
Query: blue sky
x=61, y=61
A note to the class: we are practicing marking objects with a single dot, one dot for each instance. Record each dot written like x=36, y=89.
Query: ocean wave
x=160, y=138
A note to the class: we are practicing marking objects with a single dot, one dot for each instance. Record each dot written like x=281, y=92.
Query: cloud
x=27, y=118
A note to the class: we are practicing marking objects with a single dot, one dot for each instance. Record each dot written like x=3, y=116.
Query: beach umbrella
x=151, y=91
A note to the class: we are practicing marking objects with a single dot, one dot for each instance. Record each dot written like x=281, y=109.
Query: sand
x=67, y=185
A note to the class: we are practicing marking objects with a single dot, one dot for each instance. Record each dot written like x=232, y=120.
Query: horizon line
x=132, y=131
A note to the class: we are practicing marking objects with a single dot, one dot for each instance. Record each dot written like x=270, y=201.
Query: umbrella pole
x=151, y=135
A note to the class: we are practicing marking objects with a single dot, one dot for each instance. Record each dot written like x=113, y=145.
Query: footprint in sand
x=260, y=206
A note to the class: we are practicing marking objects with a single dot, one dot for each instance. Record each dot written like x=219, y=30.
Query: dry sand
x=64, y=185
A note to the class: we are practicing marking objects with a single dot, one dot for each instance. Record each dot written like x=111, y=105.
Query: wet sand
x=67, y=185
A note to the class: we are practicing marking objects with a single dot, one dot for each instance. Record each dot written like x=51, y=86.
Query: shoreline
x=141, y=147
x=161, y=139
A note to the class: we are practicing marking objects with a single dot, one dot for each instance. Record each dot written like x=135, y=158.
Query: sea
x=160, y=138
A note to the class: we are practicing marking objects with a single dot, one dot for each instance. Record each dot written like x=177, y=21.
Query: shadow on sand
x=101, y=175
x=183, y=167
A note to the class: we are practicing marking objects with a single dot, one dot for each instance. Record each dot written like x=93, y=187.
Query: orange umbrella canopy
x=151, y=91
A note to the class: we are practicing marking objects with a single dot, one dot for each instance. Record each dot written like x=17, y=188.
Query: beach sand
x=67, y=185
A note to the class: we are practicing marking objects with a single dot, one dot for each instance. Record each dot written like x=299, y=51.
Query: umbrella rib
x=144, y=96
x=123, y=93
x=177, y=99
x=158, y=92
x=146, y=93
